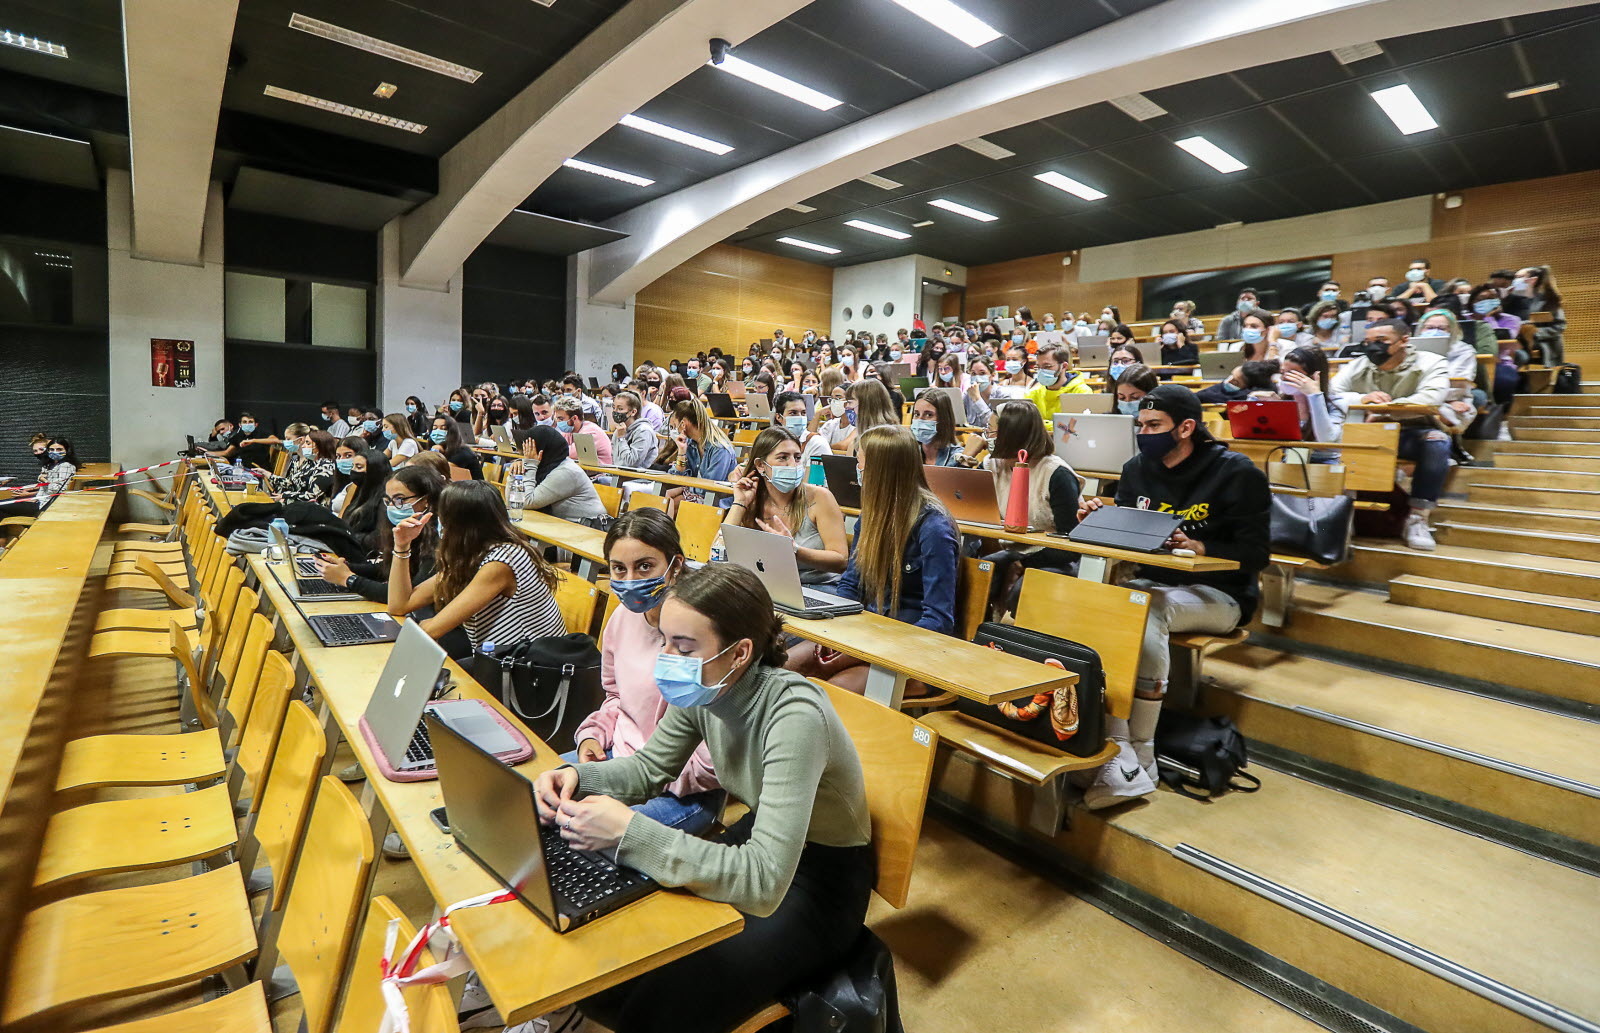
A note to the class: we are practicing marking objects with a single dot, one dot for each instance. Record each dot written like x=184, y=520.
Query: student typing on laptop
x=770, y=494
x=1225, y=505
x=800, y=866
x=903, y=564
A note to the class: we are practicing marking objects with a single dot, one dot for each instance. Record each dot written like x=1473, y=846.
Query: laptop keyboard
x=309, y=586
x=342, y=630
x=581, y=879
x=420, y=749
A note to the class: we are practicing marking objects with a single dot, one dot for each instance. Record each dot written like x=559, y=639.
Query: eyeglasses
x=401, y=500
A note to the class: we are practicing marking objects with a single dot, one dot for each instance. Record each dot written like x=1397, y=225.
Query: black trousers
x=718, y=987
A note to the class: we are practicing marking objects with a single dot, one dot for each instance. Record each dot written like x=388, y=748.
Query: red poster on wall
x=171, y=363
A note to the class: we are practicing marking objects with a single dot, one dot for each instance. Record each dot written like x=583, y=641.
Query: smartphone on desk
x=440, y=819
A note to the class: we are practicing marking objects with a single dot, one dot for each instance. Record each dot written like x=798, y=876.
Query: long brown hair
x=690, y=410
x=894, y=494
x=764, y=445
x=426, y=483
x=475, y=521
x=1019, y=427
x=874, y=407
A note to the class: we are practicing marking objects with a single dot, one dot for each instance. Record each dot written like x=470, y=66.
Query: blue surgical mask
x=1116, y=369
x=438, y=437
x=947, y=375
x=924, y=430
x=399, y=513
x=1414, y=275
x=1229, y=387
x=291, y=448
x=1155, y=446
x=345, y=466
x=679, y=680
x=410, y=408
x=248, y=428
x=1048, y=325
x=1045, y=377
x=847, y=361
x=1288, y=329
x=1330, y=295
x=785, y=478
x=795, y=425
x=980, y=380
x=1250, y=335
x=639, y=595
x=1127, y=408
x=1486, y=306
x=1246, y=306
x=1018, y=338
x=1327, y=323
x=1013, y=366
x=1434, y=332
x=389, y=435
x=56, y=454
x=564, y=427
x=455, y=406
x=894, y=354
x=1169, y=339
x=370, y=426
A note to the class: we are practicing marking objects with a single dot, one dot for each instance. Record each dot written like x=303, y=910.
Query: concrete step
x=1513, y=539
x=1516, y=474
x=1535, y=498
x=1523, y=403
x=1555, y=422
x=1503, y=458
x=1535, y=609
x=1586, y=436
x=1525, y=446
x=1521, y=763
x=1559, y=521
x=1558, y=665
x=1376, y=561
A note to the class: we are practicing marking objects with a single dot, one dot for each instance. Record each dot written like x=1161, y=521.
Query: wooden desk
x=96, y=473
x=1369, y=453
x=588, y=544
x=527, y=969
x=675, y=480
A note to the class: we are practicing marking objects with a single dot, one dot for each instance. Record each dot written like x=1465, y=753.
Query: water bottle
x=486, y=670
x=719, y=552
x=515, y=495
x=819, y=474
x=277, y=551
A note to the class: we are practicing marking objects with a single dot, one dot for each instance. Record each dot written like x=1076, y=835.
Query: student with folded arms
x=800, y=866
x=770, y=494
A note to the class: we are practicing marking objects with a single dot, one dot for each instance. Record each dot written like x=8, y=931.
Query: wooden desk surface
x=588, y=542
x=62, y=541
x=527, y=969
x=672, y=479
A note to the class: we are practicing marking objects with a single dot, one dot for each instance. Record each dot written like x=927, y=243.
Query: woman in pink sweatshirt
x=645, y=557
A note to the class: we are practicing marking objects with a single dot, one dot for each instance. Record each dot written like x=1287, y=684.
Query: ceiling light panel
x=385, y=90
x=804, y=209
x=954, y=19
x=777, y=84
x=987, y=148
x=344, y=109
x=919, y=225
x=1137, y=105
x=383, y=48
x=1356, y=52
x=33, y=43
x=1211, y=154
x=600, y=170
x=666, y=132
x=961, y=209
x=881, y=182
x=1529, y=91
x=872, y=227
x=1070, y=185
x=808, y=245
x=1404, y=110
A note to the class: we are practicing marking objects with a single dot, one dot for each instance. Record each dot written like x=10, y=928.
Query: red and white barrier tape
x=396, y=975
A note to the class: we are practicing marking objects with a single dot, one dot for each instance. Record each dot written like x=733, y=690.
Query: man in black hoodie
x=1225, y=505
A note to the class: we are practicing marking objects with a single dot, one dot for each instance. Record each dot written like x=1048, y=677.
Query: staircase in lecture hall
x=1428, y=835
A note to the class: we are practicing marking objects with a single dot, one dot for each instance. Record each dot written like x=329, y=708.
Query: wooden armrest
x=1297, y=562
x=158, y=500
x=1201, y=640
x=1021, y=758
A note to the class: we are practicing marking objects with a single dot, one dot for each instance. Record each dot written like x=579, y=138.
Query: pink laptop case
x=513, y=756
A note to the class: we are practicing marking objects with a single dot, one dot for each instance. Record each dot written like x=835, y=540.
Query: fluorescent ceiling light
x=777, y=84
x=961, y=209
x=383, y=48
x=805, y=209
x=1528, y=91
x=33, y=43
x=1070, y=185
x=957, y=21
x=881, y=182
x=666, y=132
x=1211, y=154
x=872, y=227
x=384, y=90
x=1137, y=105
x=808, y=245
x=1405, y=110
x=987, y=148
x=1356, y=52
x=919, y=225
x=344, y=109
x=601, y=170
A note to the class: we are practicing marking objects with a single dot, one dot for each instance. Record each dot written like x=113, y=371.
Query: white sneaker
x=1120, y=780
x=475, y=1010
x=566, y=1020
x=394, y=848
x=1417, y=534
x=1505, y=433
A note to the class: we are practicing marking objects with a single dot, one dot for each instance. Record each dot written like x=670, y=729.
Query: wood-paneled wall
x=1555, y=220
x=729, y=297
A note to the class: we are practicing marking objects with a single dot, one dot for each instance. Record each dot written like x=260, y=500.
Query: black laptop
x=721, y=405
x=841, y=474
x=1125, y=527
x=354, y=629
x=490, y=810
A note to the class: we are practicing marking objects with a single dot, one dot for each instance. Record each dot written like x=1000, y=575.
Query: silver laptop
x=1218, y=365
x=411, y=677
x=583, y=448
x=299, y=577
x=771, y=556
x=1045, y=337
x=1095, y=444
x=1094, y=352
x=1099, y=403
x=758, y=405
x=1005, y=324
x=501, y=435
x=958, y=404
x=1439, y=346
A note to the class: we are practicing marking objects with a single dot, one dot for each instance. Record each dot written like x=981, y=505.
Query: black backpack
x=1071, y=720
x=1203, y=753
x=1569, y=380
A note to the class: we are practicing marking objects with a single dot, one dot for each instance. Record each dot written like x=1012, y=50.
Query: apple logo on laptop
x=399, y=686
x=761, y=565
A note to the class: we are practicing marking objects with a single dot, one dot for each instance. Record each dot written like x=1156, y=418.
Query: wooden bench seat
x=1026, y=760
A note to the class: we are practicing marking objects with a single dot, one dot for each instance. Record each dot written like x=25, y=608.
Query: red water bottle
x=1017, y=501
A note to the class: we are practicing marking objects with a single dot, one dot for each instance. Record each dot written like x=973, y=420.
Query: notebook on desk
x=1125, y=527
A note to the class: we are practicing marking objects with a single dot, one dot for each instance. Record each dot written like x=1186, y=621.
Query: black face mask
x=357, y=476
x=44, y=458
x=1377, y=352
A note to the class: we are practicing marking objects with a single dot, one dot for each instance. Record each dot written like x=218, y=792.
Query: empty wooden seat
x=647, y=500
x=147, y=576
x=610, y=497
x=127, y=835
x=577, y=598
x=243, y=1011
x=698, y=526
x=286, y=800
x=258, y=743
x=431, y=1008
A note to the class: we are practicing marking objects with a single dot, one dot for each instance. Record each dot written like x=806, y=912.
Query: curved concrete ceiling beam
x=1177, y=41
x=636, y=54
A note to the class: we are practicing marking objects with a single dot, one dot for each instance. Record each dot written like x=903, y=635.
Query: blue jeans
x=693, y=814
x=1430, y=449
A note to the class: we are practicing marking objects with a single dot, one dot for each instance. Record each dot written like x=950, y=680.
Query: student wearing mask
x=1533, y=289
x=1327, y=329
x=1461, y=361
x=1053, y=377
x=1390, y=371
x=974, y=410
x=633, y=441
x=557, y=484
x=417, y=416
x=1228, y=329
x=362, y=511
x=933, y=425
x=1254, y=378
x=1329, y=293
x=770, y=494
x=703, y=450
x=1017, y=382
x=928, y=359
x=310, y=475
x=1305, y=379
x=523, y=419
x=866, y=405
x=1110, y=318
x=789, y=412
x=570, y=420
x=1122, y=356
x=1421, y=288
x=1377, y=289
x=903, y=563
x=248, y=447
x=459, y=406
x=1183, y=315
x=410, y=492
x=446, y=438
x=897, y=401
x=1288, y=333
x=800, y=868
x=980, y=381
x=333, y=421
x=1053, y=494
x=1255, y=331
x=1176, y=348
x=1136, y=381
x=371, y=431
x=1226, y=506
x=58, y=464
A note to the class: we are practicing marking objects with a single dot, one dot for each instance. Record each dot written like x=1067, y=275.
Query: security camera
x=719, y=50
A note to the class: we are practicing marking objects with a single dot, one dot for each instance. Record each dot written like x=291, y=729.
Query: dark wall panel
x=53, y=212
x=56, y=382
x=306, y=250
x=285, y=383
x=513, y=315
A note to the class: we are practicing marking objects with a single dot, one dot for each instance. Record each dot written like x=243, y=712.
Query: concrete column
x=599, y=333
x=162, y=300
x=418, y=332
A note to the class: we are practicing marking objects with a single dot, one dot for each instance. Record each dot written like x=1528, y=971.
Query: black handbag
x=551, y=683
x=859, y=997
x=1208, y=753
x=1313, y=526
x=1071, y=719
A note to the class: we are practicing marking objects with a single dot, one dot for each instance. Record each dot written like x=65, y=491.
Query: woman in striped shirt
x=488, y=580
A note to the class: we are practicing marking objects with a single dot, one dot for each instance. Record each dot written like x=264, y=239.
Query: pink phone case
x=513, y=756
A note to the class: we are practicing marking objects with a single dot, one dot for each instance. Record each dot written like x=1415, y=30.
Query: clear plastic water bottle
x=516, y=494
x=719, y=551
x=276, y=551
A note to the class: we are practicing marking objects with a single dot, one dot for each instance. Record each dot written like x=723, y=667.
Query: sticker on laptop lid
x=380, y=616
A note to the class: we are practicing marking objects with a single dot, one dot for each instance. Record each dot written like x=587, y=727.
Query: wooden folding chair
x=280, y=821
x=698, y=526
x=243, y=1011
x=431, y=1008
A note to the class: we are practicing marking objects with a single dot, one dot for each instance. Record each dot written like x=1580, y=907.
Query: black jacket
x=306, y=519
x=1224, y=502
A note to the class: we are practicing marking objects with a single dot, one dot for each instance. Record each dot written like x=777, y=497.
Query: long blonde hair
x=894, y=495
x=690, y=410
x=874, y=407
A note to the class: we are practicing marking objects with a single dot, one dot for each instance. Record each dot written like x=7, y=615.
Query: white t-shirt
x=402, y=448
